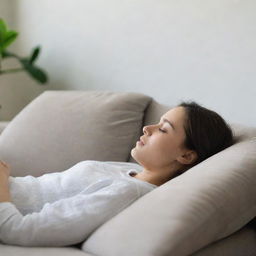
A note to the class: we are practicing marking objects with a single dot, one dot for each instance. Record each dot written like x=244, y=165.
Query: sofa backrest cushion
x=208, y=202
x=60, y=128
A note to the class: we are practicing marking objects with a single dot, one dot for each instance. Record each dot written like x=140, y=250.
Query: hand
x=4, y=169
x=4, y=182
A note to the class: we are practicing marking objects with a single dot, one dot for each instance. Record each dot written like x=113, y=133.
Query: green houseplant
x=7, y=37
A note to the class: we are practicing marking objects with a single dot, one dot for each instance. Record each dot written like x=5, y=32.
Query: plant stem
x=11, y=70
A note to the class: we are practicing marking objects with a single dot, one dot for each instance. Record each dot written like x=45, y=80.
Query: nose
x=145, y=129
x=148, y=129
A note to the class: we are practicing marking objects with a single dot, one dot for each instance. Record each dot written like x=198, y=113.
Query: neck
x=153, y=177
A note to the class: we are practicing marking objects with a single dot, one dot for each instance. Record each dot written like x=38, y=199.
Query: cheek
x=163, y=147
x=169, y=146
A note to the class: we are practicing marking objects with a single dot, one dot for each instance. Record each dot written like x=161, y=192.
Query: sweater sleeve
x=67, y=221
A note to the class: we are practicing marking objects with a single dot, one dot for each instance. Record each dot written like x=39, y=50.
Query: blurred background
x=173, y=50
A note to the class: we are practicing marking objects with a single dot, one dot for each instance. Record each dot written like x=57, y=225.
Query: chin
x=135, y=158
x=134, y=155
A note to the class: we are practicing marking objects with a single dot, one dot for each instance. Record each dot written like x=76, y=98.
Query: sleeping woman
x=64, y=208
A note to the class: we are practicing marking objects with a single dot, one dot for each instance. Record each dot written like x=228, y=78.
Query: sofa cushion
x=240, y=243
x=60, y=128
x=3, y=125
x=13, y=250
x=208, y=202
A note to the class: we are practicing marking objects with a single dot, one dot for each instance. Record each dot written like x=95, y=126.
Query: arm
x=67, y=221
x=4, y=183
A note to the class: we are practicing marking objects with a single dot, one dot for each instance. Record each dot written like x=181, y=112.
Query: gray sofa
x=204, y=212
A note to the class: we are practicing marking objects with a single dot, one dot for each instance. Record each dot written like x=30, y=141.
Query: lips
x=142, y=141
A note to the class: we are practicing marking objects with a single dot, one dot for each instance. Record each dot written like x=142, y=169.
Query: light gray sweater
x=64, y=208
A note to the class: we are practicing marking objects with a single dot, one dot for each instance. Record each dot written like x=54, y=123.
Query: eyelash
x=162, y=130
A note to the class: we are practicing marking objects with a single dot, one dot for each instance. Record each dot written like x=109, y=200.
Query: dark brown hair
x=207, y=133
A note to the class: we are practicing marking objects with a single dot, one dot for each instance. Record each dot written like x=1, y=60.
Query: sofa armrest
x=3, y=124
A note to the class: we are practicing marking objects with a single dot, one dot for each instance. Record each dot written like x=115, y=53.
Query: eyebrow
x=167, y=121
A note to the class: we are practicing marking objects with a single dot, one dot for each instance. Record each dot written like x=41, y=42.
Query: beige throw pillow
x=60, y=128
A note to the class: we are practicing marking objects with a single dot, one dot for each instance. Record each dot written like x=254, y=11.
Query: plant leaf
x=35, y=72
x=6, y=54
x=9, y=37
x=3, y=29
x=34, y=55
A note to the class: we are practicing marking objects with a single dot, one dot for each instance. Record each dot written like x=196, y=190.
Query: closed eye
x=162, y=130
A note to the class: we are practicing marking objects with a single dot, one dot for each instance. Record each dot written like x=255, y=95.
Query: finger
x=5, y=164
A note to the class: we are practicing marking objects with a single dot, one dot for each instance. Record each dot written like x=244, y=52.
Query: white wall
x=18, y=89
x=171, y=50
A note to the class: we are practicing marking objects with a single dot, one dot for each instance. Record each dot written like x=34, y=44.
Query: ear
x=188, y=157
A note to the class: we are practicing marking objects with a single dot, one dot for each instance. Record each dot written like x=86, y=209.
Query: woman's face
x=163, y=142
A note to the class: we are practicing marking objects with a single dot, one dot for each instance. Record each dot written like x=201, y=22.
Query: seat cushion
x=60, y=128
x=240, y=243
x=207, y=203
x=11, y=250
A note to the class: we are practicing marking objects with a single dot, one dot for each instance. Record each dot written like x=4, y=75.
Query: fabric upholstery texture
x=241, y=243
x=60, y=128
x=10, y=250
x=3, y=125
